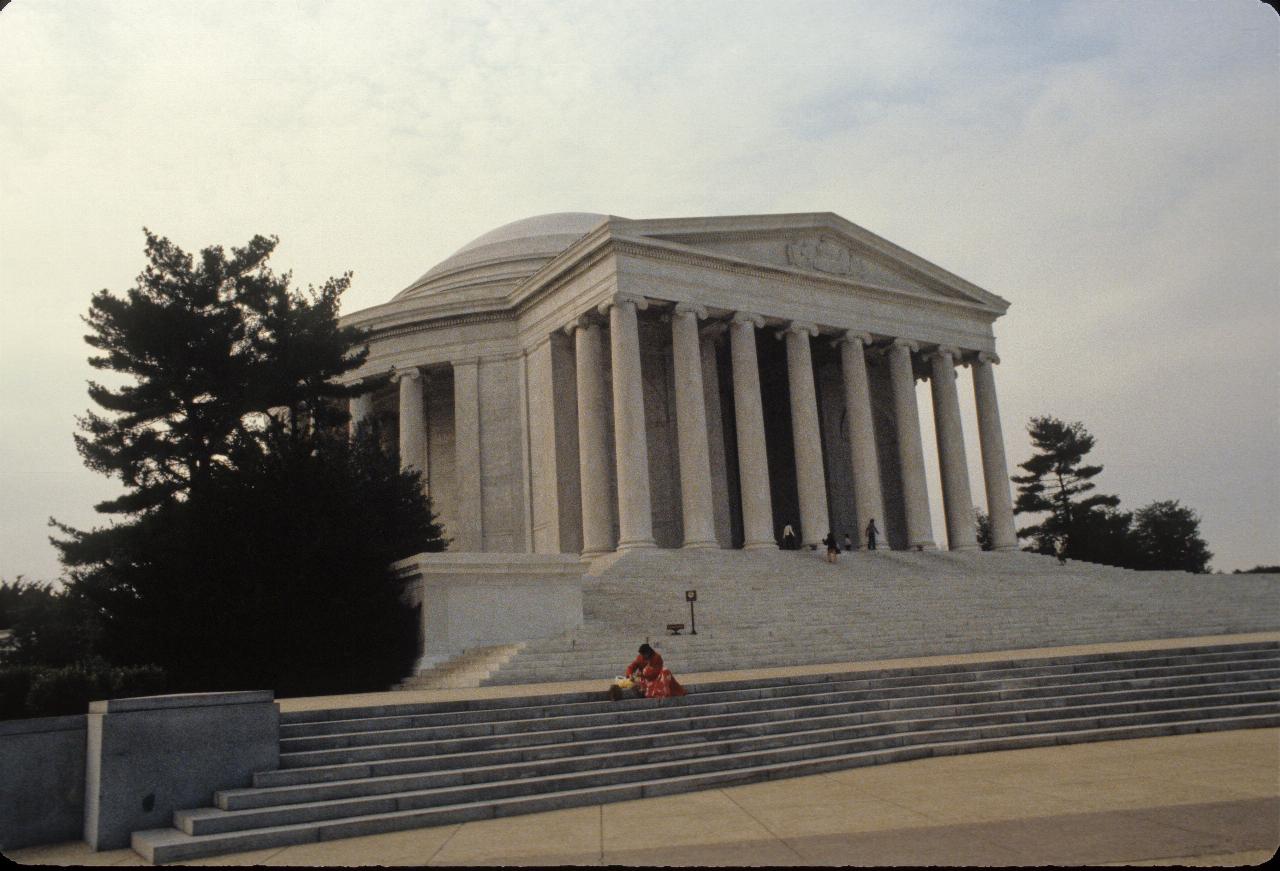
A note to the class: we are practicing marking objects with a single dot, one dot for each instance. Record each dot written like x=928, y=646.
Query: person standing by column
x=833, y=549
x=872, y=532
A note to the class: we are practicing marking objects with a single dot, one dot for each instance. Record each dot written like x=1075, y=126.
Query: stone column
x=753, y=460
x=995, y=472
x=715, y=433
x=593, y=441
x=360, y=408
x=957, y=502
x=811, y=480
x=631, y=447
x=413, y=422
x=915, y=495
x=691, y=428
x=469, y=535
x=867, y=500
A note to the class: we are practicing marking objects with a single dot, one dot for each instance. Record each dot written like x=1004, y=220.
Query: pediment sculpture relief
x=823, y=254
x=827, y=254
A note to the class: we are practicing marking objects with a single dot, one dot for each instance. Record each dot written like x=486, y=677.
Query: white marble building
x=578, y=383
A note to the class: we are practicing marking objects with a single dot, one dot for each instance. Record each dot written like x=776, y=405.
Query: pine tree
x=258, y=540
x=212, y=349
x=1056, y=482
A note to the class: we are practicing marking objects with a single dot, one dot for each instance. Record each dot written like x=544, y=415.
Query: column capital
x=586, y=319
x=698, y=310
x=747, y=318
x=400, y=373
x=909, y=344
x=852, y=337
x=618, y=299
x=799, y=327
x=944, y=351
x=987, y=357
x=465, y=361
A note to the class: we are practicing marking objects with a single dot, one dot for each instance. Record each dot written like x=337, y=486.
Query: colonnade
x=632, y=507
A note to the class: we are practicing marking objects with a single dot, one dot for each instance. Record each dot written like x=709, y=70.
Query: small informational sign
x=691, y=595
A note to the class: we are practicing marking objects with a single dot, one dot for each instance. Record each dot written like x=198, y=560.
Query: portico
x=582, y=384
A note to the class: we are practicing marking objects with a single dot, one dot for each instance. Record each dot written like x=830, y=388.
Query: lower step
x=172, y=845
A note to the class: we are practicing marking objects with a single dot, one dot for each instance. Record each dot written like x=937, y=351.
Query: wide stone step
x=173, y=845
x=678, y=714
x=423, y=758
x=709, y=740
x=585, y=715
x=773, y=750
x=435, y=756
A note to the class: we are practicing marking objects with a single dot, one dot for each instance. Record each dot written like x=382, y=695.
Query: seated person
x=650, y=678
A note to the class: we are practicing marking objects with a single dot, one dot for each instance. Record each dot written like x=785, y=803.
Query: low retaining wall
x=150, y=756
x=482, y=599
x=42, y=767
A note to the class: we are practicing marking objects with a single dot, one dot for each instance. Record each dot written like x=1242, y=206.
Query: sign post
x=691, y=596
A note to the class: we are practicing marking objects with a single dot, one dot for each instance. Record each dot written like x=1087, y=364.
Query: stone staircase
x=464, y=671
x=360, y=771
x=776, y=608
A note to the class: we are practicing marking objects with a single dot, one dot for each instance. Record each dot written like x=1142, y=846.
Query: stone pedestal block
x=148, y=757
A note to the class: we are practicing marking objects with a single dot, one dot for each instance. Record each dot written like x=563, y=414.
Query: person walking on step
x=872, y=532
x=833, y=549
x=652, y=680
x=789, y=538
x=1060, y=550
x=848, y=542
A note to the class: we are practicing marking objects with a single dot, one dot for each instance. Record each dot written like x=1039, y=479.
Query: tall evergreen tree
x=211, y=348
x=1057, y=482
x=258, y=542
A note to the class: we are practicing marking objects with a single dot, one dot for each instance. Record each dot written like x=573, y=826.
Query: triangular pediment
x=822, y=244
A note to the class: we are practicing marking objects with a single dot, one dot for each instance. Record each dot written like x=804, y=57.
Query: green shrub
x=58, y=691
x=40, y=691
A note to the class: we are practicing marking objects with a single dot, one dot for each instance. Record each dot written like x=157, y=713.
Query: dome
x=515, y=250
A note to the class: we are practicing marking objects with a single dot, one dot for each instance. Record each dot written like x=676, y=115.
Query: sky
x=1109, y=168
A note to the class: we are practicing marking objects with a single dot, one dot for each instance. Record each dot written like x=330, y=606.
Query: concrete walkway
x=1206, y=799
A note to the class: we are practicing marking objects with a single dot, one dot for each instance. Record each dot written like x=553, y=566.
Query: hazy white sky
x=1109, y=168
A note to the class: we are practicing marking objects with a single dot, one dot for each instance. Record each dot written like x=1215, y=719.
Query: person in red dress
x=651, y=679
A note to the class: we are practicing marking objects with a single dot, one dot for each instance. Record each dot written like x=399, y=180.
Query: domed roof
x=523, y=247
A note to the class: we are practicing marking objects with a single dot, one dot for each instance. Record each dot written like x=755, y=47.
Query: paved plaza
x=1211, y=799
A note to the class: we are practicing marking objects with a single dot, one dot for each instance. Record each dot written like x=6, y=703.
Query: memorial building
x=577, y=383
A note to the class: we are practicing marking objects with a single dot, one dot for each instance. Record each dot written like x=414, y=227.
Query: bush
x=47, y=626
x=39, y=691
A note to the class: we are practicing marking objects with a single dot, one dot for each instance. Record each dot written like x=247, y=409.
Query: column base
x=1005, y=548
x=589, y=555
x=700, y=545
x=643, y=544
x=922, y=545
x=760, y=545
x=965, y=547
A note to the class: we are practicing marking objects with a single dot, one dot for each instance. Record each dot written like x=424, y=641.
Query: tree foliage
x=210, y=349
x=274, y=575
x=258, y=539
x=1057, y=482
x=47, y=626
x=982, y=522
x=1166, y=535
